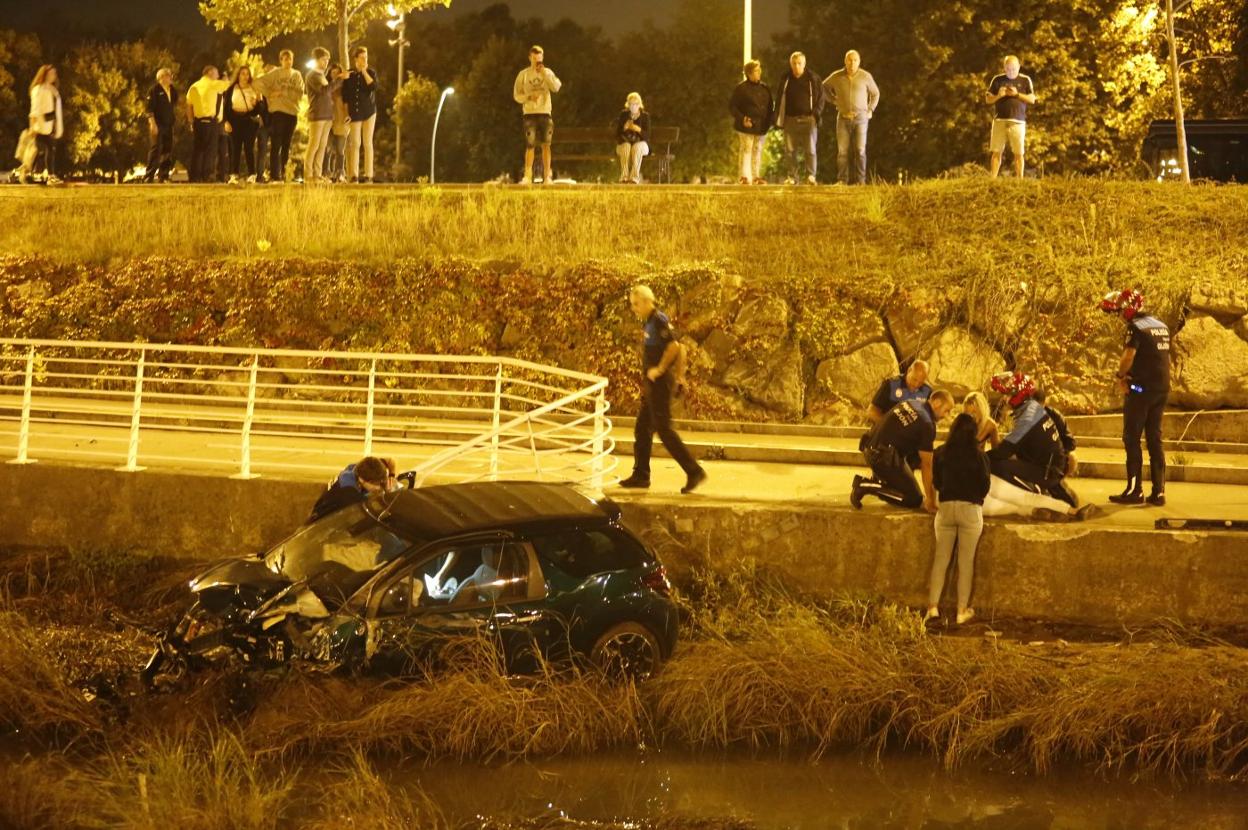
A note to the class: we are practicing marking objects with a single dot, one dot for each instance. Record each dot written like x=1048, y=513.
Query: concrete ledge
x=1076, y=573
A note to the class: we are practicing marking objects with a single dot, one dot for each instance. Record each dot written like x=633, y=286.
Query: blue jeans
x=851, y=137
x=801, y=136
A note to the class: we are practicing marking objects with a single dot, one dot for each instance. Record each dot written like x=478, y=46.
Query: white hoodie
x=44, y=99
x=530, y=82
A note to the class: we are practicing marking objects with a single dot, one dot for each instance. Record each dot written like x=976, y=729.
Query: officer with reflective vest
x=902, y=441
x=1032, y=456
x=912, y=386
x=1144, y=378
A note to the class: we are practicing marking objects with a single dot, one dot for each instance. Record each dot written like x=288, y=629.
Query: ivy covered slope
x=794, y=303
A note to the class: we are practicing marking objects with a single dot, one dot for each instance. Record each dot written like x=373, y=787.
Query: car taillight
x=657, y=581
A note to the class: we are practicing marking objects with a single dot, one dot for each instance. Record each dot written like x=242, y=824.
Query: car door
x=477, y=592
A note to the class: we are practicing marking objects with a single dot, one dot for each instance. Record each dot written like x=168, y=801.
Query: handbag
x=26, y=149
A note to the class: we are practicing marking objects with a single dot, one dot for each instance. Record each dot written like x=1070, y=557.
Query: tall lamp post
x=397, y=24
x=433, y=143
x=747, y=54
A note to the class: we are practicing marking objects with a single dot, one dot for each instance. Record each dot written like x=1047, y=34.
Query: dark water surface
x=836, y=792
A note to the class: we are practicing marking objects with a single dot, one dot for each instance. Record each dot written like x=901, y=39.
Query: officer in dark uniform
x=355, y=484
x=902, y=441
x=1032, y=456
x=1144, y=378
x=912, y=386
x=661, y=355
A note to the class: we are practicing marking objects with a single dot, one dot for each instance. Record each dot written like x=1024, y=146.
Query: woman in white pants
x=961, y=474
x=632, y=136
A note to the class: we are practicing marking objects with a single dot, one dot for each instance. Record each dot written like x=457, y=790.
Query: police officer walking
x=1033, y=455
x=912, y=386
x=1144, y=378
x=903, y=440
x=661, y=357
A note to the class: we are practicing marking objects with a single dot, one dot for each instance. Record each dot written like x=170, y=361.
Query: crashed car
x=540, y=571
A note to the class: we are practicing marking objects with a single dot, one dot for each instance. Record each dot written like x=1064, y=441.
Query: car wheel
x=628, y=651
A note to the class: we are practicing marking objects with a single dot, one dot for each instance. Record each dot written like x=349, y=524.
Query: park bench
x=598, y=144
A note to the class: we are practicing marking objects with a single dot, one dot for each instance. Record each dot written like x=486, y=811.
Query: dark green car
x=539, y=570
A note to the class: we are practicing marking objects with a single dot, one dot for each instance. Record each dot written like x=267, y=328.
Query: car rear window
x=583, y=553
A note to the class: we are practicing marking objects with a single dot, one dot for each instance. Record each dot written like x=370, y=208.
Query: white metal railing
x=296, y=412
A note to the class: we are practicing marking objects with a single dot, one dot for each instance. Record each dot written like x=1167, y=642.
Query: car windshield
x=349, y=538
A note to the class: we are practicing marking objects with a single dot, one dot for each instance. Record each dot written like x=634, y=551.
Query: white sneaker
x=966, y=616
x=527, y=180
x=233, y=180
x=811, y=180
x=251, y=179
x=54, y=180
x=933, y=613
x=790, y=180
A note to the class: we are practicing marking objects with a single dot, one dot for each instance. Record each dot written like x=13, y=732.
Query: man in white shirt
x=533, y=88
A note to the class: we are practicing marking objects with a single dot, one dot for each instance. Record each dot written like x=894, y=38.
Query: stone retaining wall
x=1080, y=574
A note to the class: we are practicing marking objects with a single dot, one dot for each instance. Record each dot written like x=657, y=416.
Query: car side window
x=464, y=576
x=581, y=553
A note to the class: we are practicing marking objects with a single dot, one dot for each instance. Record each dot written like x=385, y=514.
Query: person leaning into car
x=660, y=354
x=354, y=484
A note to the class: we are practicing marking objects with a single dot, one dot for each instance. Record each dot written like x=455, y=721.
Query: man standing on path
x=1144, y=378
x=532, y=90
x=799, y=103
x=904, y=440
x=283, y=89
x=1011, y=94
x=660, y=355
x=162, y=108
x=204, y=111
x=853, y=92
x=320, y=116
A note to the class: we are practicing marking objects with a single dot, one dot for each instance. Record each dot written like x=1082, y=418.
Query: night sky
x=770, y=16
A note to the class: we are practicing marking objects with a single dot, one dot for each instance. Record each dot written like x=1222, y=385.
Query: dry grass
x=37, y=701
x=935, y=230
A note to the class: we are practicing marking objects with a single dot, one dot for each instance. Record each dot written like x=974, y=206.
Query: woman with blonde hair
x=632, y=132
x=987, y=434
x=46, y=121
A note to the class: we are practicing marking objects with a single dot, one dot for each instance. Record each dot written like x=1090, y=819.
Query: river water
x=835, y=792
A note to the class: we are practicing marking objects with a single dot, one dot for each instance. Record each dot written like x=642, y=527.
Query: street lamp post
x=748, y=46
x=398, y=24
x=433, y=143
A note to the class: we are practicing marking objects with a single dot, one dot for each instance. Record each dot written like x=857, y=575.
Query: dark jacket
x=961, y=473
x=631, y=137
x=360, y=97
x=812, y=95
x=163, y=107
x=753, y=100
x=343, y=491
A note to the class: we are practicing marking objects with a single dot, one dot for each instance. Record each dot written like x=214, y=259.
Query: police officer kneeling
x=902, y=441
x=1033, y=455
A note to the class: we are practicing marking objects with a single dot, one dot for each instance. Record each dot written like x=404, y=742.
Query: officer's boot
x=1133, y=494
x=1158, y=474
x=862, y=487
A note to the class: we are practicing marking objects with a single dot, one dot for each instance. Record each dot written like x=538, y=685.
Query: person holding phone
x=1010, y=93
x=532, y=90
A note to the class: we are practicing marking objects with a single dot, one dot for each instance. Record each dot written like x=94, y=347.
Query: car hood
x=249, y=572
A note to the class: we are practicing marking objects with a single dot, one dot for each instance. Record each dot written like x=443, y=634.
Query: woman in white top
x=46, y=120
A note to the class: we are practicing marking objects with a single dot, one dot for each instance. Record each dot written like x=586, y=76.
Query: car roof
x=448, y=510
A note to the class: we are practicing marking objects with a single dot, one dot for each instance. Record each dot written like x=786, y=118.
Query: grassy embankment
x=757, y=670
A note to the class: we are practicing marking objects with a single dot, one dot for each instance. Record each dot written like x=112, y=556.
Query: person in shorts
x=534, y=86
x=1010, y=94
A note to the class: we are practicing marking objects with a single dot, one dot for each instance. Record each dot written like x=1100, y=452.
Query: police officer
x=661, y=357
x=903, y=440
x=355, y=484
x=1144, y=378
x=1032, y=456
x=912, y=386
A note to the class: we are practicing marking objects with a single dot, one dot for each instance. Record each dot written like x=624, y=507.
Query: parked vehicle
x=538, y=570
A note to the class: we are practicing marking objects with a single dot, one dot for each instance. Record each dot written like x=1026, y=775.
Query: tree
x=1093, y=62
x=106, y=88
x=414, y=108
x=259, y=21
